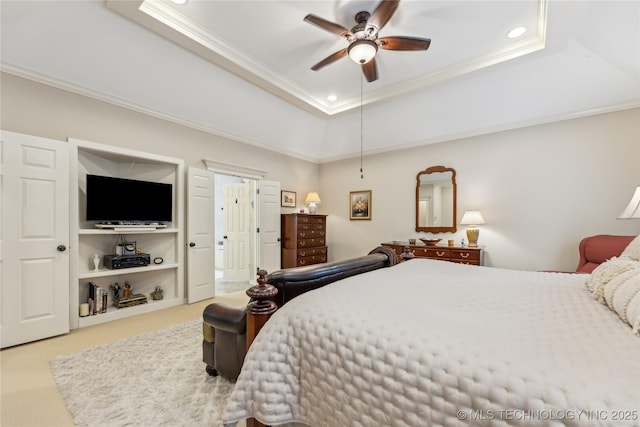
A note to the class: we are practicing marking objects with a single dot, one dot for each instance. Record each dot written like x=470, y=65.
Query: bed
x=432, y=343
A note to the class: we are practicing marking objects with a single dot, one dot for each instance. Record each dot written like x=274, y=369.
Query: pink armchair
x=595, y=250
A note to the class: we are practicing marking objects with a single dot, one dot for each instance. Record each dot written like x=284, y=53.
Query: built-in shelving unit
x=87, y=240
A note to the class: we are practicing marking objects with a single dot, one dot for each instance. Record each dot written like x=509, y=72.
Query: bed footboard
x=273, y=291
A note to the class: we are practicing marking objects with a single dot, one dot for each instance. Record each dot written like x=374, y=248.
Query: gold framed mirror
x=436, y=200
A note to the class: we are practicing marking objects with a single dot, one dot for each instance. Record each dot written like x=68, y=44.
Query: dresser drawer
x=302, y=253
x=299, y=257
x=433, y=253
x=310, y=243
x=309, y=234
x=309, y=227
x=310, y=260
x=307, y=219
x=461, y=255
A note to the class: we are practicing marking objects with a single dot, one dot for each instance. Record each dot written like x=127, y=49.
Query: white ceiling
x=241, y=69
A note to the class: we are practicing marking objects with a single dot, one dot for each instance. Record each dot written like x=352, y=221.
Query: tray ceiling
x=241, y=69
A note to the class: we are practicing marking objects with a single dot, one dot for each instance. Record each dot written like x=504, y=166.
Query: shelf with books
x=114, y=313
x=162, y=247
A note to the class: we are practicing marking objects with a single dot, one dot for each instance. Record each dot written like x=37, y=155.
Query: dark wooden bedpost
x=259, y=310
x=261, y=307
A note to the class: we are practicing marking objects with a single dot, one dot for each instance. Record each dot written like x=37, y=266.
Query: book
x=98, y=298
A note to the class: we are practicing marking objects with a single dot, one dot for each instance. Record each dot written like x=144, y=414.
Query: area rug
x=153, y=379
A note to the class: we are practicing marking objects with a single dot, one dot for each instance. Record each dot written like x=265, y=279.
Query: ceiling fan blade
x=329, y=59
x=404, y=43
x=370, y=70
x=382, y=14
x=332, y=27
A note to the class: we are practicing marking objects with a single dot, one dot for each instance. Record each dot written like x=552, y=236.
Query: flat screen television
x=126, y=200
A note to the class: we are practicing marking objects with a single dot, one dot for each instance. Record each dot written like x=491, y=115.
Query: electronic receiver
x=126, y=261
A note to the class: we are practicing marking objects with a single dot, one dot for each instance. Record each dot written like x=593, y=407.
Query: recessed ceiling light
x=331, y=98
x=516, y=32
x=180, y=2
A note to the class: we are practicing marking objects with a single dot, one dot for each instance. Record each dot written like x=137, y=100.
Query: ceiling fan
x=363, y=38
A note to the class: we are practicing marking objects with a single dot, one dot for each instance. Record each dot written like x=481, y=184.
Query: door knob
x=61, y=248
x=192, y=244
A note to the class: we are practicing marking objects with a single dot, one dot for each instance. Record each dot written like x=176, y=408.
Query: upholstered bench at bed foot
x=226, y=327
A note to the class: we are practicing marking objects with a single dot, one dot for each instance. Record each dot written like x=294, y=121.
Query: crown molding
x=163, y=19
x=118, y=102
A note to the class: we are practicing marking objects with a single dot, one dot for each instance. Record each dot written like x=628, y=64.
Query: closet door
x=200, y=235
x=35, y=238
x=269, y=225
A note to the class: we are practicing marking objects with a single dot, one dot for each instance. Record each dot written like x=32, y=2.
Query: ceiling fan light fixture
x=362, y=51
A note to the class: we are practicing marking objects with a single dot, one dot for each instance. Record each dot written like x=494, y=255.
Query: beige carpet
x=152, y=379
x=29, y=395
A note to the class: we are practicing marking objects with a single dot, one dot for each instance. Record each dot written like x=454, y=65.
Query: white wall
x=36, y=109
x=540, y=190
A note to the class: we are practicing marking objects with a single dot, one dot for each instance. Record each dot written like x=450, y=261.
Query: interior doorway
x=235, y=221
x=243, y=200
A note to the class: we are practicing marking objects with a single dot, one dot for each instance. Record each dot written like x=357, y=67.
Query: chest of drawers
x=304, y=239
x=459, y=254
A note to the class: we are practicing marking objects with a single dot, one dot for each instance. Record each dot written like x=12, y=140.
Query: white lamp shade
x=472, y=217
x=312, y=197
x=632, y=211
x=362, y=51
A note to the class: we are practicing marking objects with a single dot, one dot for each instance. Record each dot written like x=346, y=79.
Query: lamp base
x=472, y=235
x=312, y=208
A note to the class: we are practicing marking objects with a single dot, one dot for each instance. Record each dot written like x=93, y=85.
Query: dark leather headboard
x=292, y=282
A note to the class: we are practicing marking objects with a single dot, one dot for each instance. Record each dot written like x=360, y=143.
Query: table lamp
x=472, y=218
x=312, y=200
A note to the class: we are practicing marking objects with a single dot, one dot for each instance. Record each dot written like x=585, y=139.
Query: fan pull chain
x=361, y=126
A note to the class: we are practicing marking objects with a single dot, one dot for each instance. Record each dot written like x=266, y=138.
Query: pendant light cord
x=361, y=125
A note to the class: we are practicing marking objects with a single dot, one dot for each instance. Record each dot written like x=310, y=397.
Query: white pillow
x=632, y=251
x=605, y=272
x=622, y=295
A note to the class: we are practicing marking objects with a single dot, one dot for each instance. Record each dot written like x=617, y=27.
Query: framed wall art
x=360, y=204
x=288, y=199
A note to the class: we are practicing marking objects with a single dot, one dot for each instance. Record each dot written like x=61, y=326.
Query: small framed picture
x=360, y=204
x=288, y=199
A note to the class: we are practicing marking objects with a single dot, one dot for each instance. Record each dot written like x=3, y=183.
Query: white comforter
x=432, y=343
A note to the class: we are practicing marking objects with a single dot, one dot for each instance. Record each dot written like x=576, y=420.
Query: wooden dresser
x=304, y=239
x=459, y=254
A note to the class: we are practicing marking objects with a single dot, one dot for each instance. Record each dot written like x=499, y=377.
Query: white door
x=35, y=238
x=269, y=225
x=237, y=216
x=200, y=236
